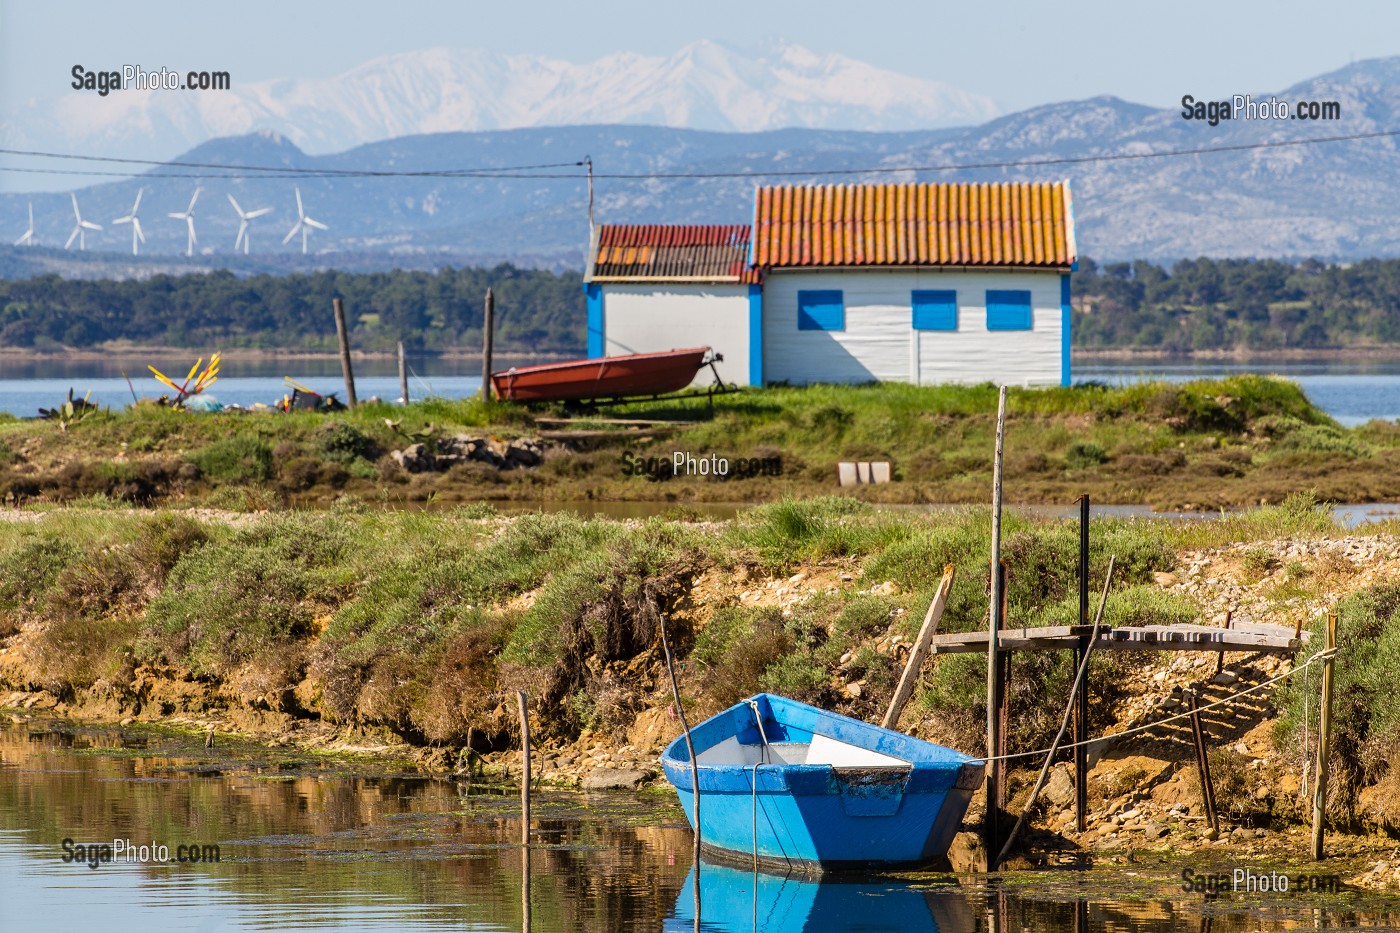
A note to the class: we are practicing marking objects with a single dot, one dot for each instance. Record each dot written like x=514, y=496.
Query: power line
x=286, y=170
x=537, y=172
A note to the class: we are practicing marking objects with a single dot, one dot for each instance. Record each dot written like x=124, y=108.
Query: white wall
x=880, y=343
x=653, y=317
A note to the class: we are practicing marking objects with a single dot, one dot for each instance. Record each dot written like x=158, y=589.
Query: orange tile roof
x=657, y=252
x=997, y=224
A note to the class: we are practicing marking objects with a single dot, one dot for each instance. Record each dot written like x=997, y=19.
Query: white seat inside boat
x=820, y=751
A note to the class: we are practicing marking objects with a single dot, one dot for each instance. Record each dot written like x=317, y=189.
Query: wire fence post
x=995, y=768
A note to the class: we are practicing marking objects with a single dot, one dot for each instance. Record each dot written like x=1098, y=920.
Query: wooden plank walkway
x=1251, y=636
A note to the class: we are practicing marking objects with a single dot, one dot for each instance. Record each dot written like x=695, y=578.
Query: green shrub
x=1366, y=707
x=1084, y=454
x=239, y=459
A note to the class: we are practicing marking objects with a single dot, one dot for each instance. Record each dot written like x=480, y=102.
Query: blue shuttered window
x=1008, y=310
x=821, y=310
x=935, y=310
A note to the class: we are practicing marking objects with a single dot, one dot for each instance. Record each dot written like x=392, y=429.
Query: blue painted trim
x=594, y=292
x=1064, y=329
x=756, y=335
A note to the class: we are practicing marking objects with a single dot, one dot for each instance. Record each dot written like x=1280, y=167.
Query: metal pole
x=488, y=334
x=403, y=375
x=1323, y=739
x=690, y=751
x=993, y=626
x=343, y=336
x=1081, y=718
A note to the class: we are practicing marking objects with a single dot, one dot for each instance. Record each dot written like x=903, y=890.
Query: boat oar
x=1064, y=725
x=163, y=378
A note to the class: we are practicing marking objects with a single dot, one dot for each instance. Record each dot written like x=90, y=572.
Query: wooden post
x=488, y=335
x=1203, y=763
x=343, y=335
x=1003, y=703
x=524, y=768
x=403, y=375
x=1324, y=737
x=1081, y=713
x=920, y=651
x=1220, y=658
x=525, y=922
x=994, y=766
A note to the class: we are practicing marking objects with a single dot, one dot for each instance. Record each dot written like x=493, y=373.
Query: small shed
x=921, y=283
x=653, y=287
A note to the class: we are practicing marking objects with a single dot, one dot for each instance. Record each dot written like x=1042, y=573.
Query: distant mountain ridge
x=1334, y=201
x=704, y=86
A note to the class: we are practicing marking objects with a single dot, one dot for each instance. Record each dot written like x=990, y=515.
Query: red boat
x=607, y=377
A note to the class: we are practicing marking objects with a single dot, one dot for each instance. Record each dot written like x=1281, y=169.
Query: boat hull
x=608, y=377
x=820, y=817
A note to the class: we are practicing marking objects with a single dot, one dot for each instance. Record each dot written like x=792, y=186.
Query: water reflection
x=733, y=900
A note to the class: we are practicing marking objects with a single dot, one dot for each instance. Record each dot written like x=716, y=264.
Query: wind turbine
x=243, y=218
x=135, y=222
x=80, y=228
x=187, y=215
x=28, y=238
x=303, y=224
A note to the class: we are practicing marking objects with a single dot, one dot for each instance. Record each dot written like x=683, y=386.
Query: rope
x=1320, y=656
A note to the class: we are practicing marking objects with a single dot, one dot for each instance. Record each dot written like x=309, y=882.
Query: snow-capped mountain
x=705, y=86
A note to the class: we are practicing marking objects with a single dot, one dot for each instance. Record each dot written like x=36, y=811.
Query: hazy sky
x=1017, y=52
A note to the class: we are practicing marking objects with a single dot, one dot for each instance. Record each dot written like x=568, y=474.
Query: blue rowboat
x=802, y=789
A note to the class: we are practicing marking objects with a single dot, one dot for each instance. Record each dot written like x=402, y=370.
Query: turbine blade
x=193, y=199
x=292, y=232
x=238, y=210
x=300, y=211
x=136, y=226
x=316, y=223
x=72, y=236
x=90, y=225
x=75, y=205
x=139, y=192
x=259, y=212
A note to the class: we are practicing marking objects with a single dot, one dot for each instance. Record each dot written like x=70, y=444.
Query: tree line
x=536, y=310
x=1236, y=304
x=1197, y=304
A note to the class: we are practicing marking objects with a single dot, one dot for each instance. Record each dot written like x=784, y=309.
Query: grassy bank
x=1210, y=444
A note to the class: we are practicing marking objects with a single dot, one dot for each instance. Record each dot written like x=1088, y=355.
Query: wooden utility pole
x=1324, y=738
x=343, y=335
x=920, y=651
x=488, y=334
x=994, y=767
x=403, y=375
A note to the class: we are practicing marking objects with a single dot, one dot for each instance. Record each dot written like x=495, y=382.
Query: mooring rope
x=1323, y=655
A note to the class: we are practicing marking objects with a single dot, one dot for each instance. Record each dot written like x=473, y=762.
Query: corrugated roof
x=997, y=224
x=656, y=252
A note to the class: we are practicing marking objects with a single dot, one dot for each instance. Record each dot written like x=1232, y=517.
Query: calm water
x=1353, y=393
x=306, y=845
x=27, y=385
